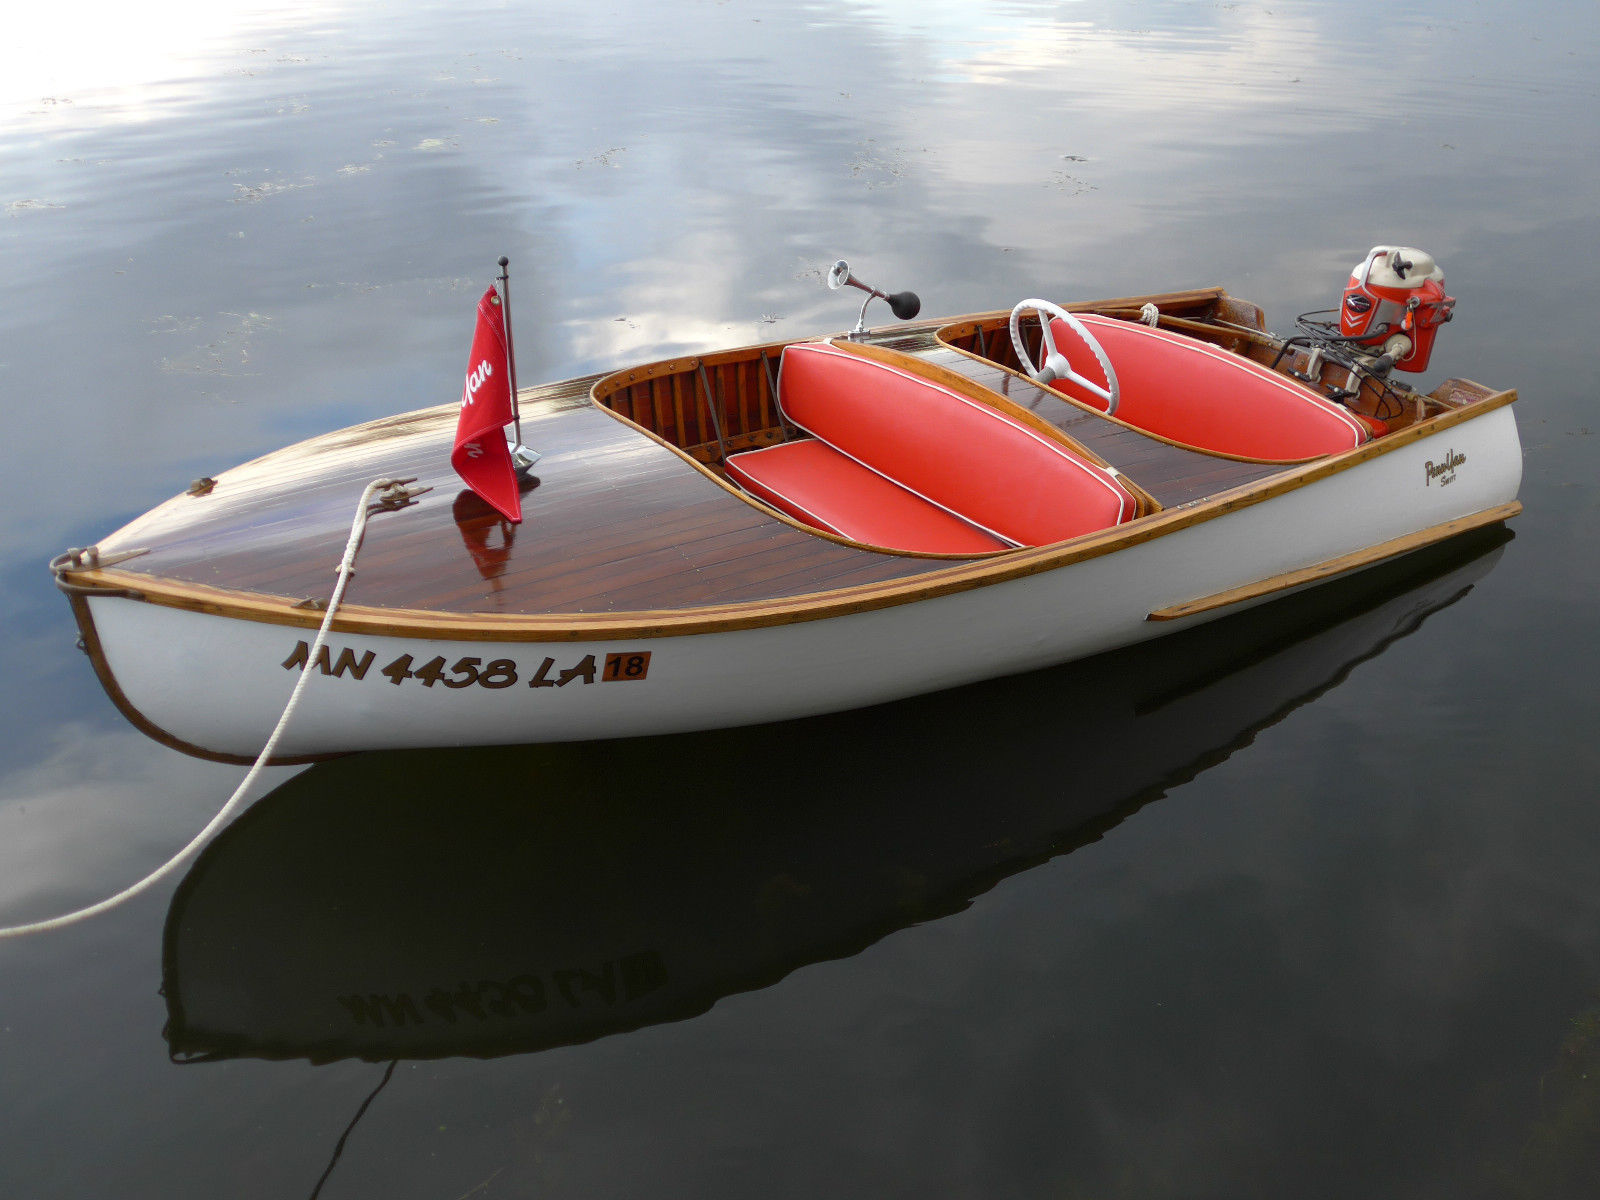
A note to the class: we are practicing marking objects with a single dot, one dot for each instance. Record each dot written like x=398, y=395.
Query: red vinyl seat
x=814, y=483
x=902, y=461
x=1202, y=396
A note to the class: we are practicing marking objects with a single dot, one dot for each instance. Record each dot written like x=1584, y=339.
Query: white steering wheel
x=1056, y=365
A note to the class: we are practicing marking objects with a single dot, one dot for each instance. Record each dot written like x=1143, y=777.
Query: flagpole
x=511, y=352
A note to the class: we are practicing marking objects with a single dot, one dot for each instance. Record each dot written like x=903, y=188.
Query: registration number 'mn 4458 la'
x=471, y=670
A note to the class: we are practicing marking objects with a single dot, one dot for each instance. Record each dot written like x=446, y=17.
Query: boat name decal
x=1444, y=472
x=626, y=666
x=617, y=981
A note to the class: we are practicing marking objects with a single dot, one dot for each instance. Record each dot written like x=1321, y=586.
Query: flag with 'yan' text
x=481, y=456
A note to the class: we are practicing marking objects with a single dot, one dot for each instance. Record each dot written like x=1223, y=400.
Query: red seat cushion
x=1202, y=396
x=950, y=449
x=814, y=483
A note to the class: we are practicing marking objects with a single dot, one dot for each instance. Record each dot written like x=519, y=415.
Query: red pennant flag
x=481, y=456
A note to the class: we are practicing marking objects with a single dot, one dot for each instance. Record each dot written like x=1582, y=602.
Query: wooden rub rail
x=1338, y=566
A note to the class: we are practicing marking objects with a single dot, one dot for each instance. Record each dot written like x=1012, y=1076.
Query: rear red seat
x=903, y=462
x=1202, y=396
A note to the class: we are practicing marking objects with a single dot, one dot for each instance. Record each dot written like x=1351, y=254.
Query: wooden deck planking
x=616, y=522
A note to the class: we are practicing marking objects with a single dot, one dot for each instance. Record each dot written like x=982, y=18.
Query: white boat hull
x=218, y=684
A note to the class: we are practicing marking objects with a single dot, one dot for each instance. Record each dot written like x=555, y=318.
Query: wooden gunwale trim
x=1194, y=297
x=1003, y=566
x=1144, y=502
x=1104, y=416
x=607, y=383
x=1340, y=565
x=746, y=497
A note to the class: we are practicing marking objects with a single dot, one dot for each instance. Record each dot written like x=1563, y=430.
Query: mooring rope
x=345, y=569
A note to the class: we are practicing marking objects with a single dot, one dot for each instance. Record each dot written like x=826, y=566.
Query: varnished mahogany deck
x=616, y=523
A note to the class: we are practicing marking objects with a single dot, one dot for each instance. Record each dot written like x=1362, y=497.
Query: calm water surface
x=1302, y=904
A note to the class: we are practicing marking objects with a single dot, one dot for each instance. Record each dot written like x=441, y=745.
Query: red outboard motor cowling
x=1395, y=303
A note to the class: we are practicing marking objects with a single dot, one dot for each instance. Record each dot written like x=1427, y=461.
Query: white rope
x=345, y=569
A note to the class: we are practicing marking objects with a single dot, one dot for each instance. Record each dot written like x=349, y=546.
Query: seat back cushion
x=1203, y=396
x=950, y=449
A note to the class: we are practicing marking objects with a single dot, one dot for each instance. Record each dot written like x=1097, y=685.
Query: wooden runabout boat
x=787, y=529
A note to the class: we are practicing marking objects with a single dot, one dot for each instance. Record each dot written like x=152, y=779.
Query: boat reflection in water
x=500, y=901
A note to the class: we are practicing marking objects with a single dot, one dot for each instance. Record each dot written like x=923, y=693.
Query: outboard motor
x=1394, y=305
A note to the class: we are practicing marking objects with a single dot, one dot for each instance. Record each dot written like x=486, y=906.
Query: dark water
x=1302, y=904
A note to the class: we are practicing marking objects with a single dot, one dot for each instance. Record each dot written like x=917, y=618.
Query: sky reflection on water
x=1338, y=962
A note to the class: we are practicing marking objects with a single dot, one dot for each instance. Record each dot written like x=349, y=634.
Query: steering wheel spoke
x=1055, y=365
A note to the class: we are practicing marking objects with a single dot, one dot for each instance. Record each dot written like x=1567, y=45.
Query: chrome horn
x=904, y=305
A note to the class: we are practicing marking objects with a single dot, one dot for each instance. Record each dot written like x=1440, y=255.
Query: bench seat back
x=1202, y=396
x=951, y=450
